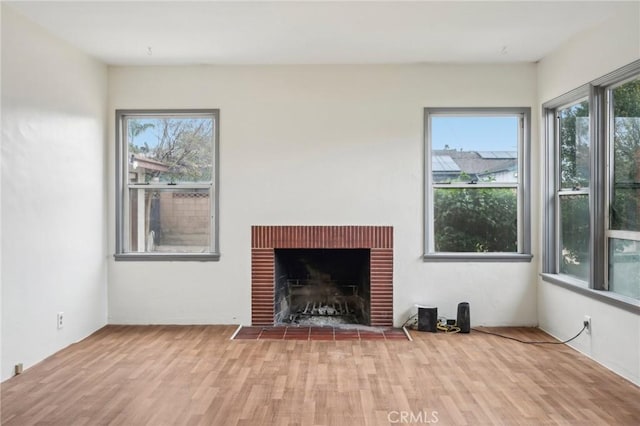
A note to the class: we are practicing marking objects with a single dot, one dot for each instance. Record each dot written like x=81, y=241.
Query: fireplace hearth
x=327, y=275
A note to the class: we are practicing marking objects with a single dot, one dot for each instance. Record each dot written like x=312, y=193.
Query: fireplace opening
x=322, y=286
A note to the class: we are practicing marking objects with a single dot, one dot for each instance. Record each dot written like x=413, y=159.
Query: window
x=166, y=185
x=476, y=180
x=592, y=223
x=572, y=194
x=623, y=231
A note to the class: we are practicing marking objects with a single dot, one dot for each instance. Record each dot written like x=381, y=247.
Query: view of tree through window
x=625, y=208
x=168, y=160
x=475, y=220
x=593, y=209
x=624, y=217
x=182, y=146
x=573, y=196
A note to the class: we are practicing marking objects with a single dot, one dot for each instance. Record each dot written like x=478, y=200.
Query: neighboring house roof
x=498, y=155
x=149, y=164
x=449, y=163
x=444, y=163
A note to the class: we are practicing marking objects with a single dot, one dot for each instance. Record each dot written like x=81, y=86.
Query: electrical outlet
x=60, y=319
x=586, y=322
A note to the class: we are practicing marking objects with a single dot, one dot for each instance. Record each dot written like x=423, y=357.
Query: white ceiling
x=305, y=32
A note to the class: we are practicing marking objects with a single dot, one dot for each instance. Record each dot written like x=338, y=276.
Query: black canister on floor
x=463, y=320
x=427, y=319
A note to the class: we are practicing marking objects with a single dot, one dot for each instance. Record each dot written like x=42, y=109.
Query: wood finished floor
x=195, y=375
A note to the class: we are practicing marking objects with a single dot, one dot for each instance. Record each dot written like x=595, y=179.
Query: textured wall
x=53, y=193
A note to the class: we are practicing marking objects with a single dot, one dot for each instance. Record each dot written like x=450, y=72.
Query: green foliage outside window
x=574, y=226
x=574, y=235
x=476, y=220
x=574, y=146
x=183, y=145
x=574, y=175
x=625, y=203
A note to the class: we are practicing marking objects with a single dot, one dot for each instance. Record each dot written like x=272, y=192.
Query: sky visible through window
x=455, y=132
x=487, y=133
x=147, y=135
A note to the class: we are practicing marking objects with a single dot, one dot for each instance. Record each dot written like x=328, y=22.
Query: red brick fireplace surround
x=265, y=239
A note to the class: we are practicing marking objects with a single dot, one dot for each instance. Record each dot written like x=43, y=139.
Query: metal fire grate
x=324, y=302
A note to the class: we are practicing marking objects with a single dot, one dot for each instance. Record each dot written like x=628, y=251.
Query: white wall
x=591, y=54
x=319, y=145
x=615, y=337
x=53, y=193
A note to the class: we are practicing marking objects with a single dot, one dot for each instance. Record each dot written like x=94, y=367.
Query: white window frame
x=601, y=178
x=523, y=253
x=123, y=186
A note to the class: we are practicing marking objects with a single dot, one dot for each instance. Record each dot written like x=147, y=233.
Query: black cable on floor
x=531, y=343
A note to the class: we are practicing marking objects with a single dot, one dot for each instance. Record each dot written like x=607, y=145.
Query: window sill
x=167, y=257
x=614, y=299
x=477, y=257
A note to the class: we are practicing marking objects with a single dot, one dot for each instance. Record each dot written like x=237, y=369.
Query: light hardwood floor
x=195, y=375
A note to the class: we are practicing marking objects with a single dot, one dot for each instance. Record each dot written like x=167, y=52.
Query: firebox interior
x=322, y=286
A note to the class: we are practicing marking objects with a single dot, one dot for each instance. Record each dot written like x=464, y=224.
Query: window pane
x=625, y=200
x=574, y=235
x=479, y=149
x=624, y=267
x=475, y=220
x=169, y=221
x=170, y=149
x=574, y=145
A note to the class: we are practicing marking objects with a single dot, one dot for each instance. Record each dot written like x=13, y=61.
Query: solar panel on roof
x=498, y=155
x=444, y=163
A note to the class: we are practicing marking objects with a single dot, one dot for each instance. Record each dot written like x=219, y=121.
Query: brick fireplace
x=266, y=239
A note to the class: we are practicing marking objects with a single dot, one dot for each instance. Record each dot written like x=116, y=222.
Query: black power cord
x=532, y=343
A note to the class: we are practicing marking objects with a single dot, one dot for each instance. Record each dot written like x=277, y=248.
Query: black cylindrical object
x=427, y=319
x=463, y=320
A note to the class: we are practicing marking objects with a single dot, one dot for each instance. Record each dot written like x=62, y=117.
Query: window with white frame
x=166, y=184
x=592, y=225
x=476, y=184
